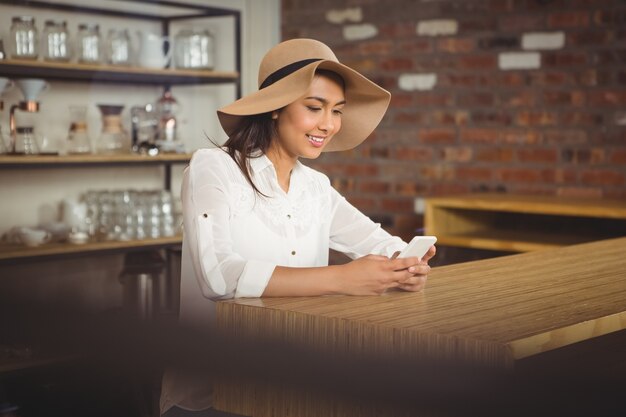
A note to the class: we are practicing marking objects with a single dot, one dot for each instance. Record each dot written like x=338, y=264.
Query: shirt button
x=293, y=252
x=205, y=215
x=289, y=216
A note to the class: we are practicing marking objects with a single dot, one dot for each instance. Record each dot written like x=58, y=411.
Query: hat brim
x=366, y=103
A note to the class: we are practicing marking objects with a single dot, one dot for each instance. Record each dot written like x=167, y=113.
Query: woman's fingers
x=431, y=252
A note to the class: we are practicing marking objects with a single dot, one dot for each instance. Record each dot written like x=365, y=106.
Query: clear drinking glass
x=24, y=38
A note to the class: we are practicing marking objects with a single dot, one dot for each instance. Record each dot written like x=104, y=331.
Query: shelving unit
x=516, y=223
x=114, y=74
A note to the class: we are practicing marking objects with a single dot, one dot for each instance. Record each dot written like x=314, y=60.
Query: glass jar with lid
x=89, y=48
x=24, y=38
x=193, y=48
x=118, y=49
x=56, y=41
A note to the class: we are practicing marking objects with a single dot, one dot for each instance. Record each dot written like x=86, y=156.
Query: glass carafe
x=113, y=139
x=78, y=139
x=166, y=109
x=26, y=141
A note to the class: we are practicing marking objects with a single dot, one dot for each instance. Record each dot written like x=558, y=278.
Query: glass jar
x=24, y=38
x=194, y=49
x=56, y=41
x=113, y=139
x=118, y=47
x=89, y=49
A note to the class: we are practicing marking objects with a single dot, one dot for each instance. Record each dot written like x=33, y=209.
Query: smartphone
x=418, y=246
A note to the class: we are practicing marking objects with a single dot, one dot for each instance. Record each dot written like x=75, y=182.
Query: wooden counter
x=494, y=312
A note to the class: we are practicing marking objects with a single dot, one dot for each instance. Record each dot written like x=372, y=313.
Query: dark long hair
x=251, y=138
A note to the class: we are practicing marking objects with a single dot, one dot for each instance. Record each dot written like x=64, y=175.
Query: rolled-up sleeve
x=220, y=272
x=355, y=234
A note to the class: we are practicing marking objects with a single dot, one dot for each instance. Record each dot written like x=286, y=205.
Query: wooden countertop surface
x=496, y=310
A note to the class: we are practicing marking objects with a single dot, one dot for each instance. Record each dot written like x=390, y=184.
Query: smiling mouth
x=316, y=140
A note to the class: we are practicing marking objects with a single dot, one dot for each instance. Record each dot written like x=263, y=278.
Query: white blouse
x=236, y=237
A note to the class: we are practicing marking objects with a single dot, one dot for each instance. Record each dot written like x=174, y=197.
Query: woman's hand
x=373, y=274
x=420, y=271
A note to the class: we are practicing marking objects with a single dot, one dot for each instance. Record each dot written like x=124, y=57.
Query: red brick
x=363, y=203
x=361, y=170
x=457, y=154
x=401, y=100
x=589, y=38
x=398, y=205
x=518, y=98
x=524, y=136
x=551, y=78
x=409, y=117
x=477, y=24
x=602, y=177
x=437, y=135
x=618, y=157
x=478, y=62
x=565, y=136
x=566, y=176
x=480, y=135
x=474, y=173
x=457, y=118
x=537, y=155
x=434, y=99
x=382, y=48
x=397, y=30
x=512, y=79
x=396, y=64
x=462, y=80
x=409, y=188
x=581, y=119
x=344, y=185
x=379, y=187
x=449, y=189
x=536, y=118
x=415, y=46
x=611, y=57
x=520, y=175
x=560, y=98
x=564, y=59
x=607, y=98
x=610, y=17
x=521, y=23
x=436, y=172
x=476, y=99
x=491, y=118
x=492, y=154
x=414, y=154
x=573, y=19
x=456, y=45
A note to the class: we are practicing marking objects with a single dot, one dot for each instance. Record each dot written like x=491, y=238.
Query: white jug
x=151, y=53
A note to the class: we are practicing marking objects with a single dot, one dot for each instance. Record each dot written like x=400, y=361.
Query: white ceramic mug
x=32, y=87
x=32, y=237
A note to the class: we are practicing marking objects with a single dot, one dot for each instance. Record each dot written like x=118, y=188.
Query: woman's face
x=305, y=126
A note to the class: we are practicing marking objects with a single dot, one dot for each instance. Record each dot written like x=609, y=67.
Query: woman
x=258, y=223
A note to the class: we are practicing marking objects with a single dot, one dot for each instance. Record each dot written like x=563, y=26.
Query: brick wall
x=524, y=96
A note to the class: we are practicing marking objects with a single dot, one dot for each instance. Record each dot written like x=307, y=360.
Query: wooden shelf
x=10, y=252
x=74, y=72
x=30, y=161
x=522, y=223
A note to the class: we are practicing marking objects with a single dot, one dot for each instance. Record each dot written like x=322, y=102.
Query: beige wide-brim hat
x=286, y=73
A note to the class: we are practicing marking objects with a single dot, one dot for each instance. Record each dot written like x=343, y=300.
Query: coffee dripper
x=113, y=139
x=31, y=88
x=78, y=139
